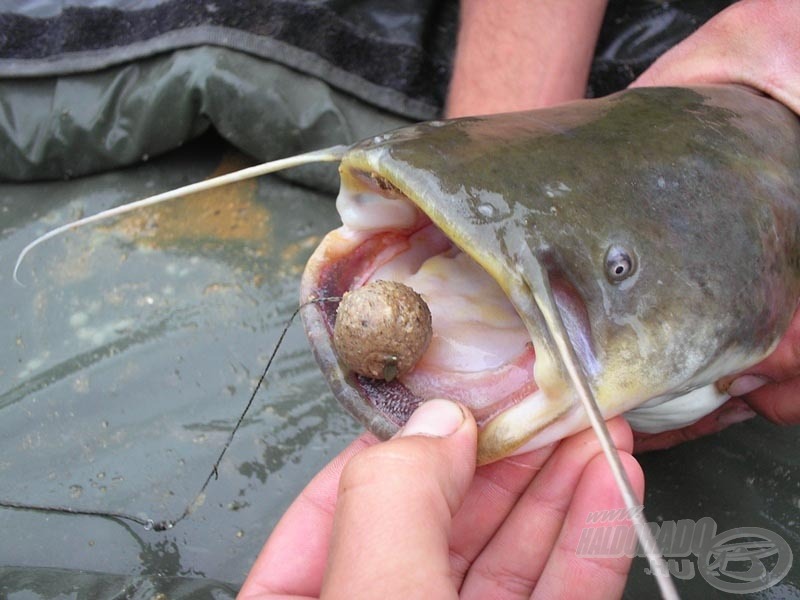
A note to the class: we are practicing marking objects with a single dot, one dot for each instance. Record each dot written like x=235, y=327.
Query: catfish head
x=655, y=231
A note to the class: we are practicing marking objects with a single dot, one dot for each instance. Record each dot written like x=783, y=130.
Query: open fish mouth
x=481, y=352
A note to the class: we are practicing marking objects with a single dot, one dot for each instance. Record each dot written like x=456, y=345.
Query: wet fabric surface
x=20, y=582
x=636, y=32
x=66, y=127
x=745, y=476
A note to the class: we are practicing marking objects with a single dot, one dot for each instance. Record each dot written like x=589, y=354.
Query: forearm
x=521, y=54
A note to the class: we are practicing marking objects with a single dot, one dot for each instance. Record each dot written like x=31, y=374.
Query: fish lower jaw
x=531, y=424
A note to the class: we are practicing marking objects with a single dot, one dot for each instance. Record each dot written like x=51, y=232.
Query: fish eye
x=620, y=264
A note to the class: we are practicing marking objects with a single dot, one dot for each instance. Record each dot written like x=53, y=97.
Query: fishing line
x=166, y=524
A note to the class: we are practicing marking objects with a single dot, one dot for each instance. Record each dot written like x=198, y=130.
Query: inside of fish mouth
x=481, y=354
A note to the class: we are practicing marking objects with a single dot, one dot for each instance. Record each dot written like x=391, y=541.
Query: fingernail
x=435, y=418
x=745, y=384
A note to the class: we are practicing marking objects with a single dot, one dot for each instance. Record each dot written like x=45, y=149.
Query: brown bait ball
x=382, y=329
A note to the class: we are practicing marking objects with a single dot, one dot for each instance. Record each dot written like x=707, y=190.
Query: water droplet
x=148, y=526
x=75, y=491
x=661, y=183
x=487, y=210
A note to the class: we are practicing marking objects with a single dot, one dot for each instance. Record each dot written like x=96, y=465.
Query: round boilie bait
x=382, y=329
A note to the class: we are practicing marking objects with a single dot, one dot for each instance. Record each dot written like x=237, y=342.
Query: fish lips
x=548, y=413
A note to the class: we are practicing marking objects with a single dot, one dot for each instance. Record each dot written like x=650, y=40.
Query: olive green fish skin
x=699, y=186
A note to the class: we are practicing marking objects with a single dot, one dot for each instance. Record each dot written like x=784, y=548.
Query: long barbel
x=569, y=358
x=332, y=154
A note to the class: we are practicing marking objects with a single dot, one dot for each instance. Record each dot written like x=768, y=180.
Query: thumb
x=395, y=505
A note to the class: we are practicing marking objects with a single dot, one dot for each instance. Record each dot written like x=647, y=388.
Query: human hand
x=754, y=43
x=772, y=387
x=413, y=518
